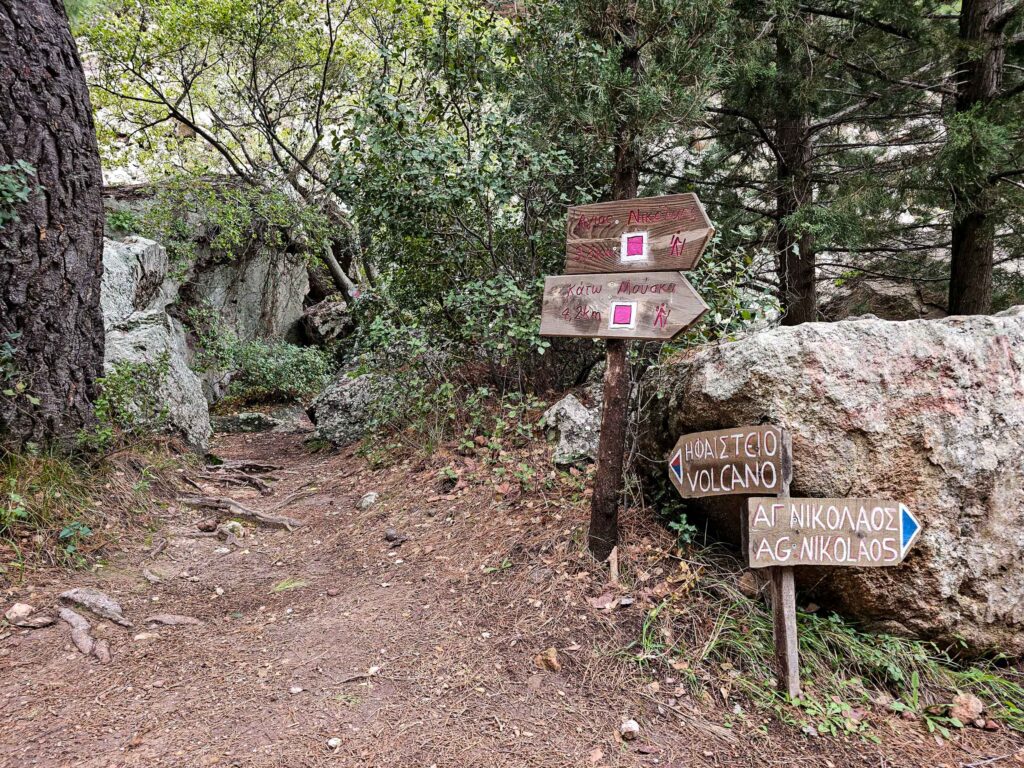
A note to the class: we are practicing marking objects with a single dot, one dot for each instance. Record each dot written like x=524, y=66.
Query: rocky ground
x=409, y=630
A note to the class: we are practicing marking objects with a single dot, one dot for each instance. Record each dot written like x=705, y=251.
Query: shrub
x=261, y=371
x=130, y=405
x=276, y=370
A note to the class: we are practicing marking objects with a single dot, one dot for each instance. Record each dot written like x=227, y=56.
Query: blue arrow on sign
x=910, y=527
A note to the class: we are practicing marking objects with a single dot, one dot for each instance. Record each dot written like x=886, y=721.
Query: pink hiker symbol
x=661, y=316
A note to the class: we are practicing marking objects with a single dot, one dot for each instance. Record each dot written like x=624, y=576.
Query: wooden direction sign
x=639, y=235
x=655, y=305
x=731, y=461
x=859, y=532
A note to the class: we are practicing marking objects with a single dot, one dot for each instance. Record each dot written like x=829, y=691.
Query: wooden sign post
x=747, y=460
x=782, y=532
x=623, y=305
x=623, y=260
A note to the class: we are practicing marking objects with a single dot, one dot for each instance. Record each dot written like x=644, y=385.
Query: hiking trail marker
x=627, y=305
x=623, y=260
x=647, y=233
x=782, y=532
x=729, y=461
x=859, y=532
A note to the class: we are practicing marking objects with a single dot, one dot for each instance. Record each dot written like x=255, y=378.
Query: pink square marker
x=622, y=315
x=635, y=246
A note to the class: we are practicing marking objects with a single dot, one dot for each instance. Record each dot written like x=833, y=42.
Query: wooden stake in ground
x=604, y=506
x=787, y=649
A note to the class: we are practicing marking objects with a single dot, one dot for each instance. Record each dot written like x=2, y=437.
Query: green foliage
x=726, y=645
x=43, y=498
x=15, y=189
x=131, y=405
x=232, y=220
x=261, y=371
x=123, y=220
x=277, y=370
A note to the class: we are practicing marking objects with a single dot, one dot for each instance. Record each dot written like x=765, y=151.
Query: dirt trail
x=417, y=655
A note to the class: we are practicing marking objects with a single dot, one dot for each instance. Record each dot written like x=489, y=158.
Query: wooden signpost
x=622, y=262
x=784, y=532
x=646, y=233
x=744, y=460
x=626, y=305
x=861, y=532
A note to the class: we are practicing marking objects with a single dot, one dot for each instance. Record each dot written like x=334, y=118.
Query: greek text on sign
x=631, y=305
x=731, y=461
x=859, y=532
x=652, y=233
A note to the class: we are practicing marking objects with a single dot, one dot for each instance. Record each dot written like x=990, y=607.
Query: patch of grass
x=719, y=642
x=63, y=510
x=288, y=584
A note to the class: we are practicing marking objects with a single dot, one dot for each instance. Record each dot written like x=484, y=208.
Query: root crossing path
x=411, y=630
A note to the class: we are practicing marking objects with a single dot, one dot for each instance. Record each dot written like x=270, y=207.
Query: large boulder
x=884, y=298
x=327, y=321
x=257, y=295
x=344, y=412
x=929, y=412
x=134, y=296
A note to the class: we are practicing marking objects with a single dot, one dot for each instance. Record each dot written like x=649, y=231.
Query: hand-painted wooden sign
x=860, y=532
x=731, y=461
x=653, y=233
x=654, y=305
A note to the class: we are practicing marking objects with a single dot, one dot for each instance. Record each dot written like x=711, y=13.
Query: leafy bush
x=232, y=219
x=130, y=405
x=123, y=220
x=260, y=371
x=276, y=370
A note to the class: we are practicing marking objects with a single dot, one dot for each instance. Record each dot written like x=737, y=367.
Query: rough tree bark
x=798, y=292
x=974, y=228
x=604, y=505
x=51, y=259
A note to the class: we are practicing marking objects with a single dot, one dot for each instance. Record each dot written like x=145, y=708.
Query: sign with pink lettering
x=652, y=233
x=647, y=305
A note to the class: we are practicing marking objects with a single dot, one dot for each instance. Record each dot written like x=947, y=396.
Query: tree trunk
x=51, y=259
x=604, y=506
x=798, y=291
x=974, y=229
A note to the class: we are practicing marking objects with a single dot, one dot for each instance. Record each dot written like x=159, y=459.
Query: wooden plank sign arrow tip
x=910, y=529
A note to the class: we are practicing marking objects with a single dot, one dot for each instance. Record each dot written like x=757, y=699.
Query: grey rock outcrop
x=135, y=295
x=343, y=413
x=255, y=295
x=577, y=428
x=327, y=321
x=929, y=412
x=882, y=298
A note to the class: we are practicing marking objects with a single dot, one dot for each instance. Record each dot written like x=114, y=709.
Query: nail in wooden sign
x=639, y=235
x=858, y=532
x=625, y=305
x=743, y=460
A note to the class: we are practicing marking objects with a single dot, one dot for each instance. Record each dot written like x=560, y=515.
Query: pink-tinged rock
x=926, y=412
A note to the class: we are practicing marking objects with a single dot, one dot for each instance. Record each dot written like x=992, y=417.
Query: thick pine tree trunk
x=798, y=292
x=974, y=228
x=51, y=259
